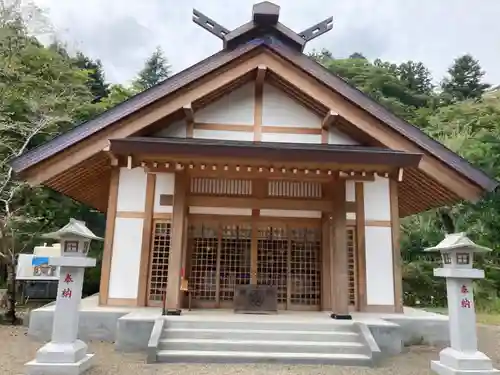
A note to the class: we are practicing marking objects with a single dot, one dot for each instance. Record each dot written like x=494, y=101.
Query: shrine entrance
x=285, y=255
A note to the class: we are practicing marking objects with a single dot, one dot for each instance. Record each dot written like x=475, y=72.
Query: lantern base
x=41, y=368
x=454, y=362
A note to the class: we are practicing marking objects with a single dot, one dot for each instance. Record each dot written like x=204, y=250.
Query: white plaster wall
x=131, y=190
x=335, y=137
x=291, y=138
x=126, y=258
x=220, y=211
x=235, y=108
x=291, y=213
x=279, y=109
x=377, y=199
x=350, y=216
x=165, y=184
x=223, y=135
x=350, y=192
x=177, y=130
x=379, y=270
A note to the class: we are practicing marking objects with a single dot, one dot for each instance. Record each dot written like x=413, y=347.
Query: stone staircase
x=329, y=342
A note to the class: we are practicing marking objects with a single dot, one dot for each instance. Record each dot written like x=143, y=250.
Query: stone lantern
x=457, y=253
x=65, y=354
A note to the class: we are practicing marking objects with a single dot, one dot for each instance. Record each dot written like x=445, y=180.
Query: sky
x=123, y=33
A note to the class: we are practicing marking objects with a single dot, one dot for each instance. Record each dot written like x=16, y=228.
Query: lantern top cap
x=458, y=241
x=76, y=228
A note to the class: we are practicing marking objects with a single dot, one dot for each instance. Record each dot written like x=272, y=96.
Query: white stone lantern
x=457, y=252
x=65, y=354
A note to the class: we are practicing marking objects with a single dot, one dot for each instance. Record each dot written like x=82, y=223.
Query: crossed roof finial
x=265, y=16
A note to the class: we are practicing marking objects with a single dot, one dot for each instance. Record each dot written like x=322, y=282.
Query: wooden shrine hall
x=255, y=180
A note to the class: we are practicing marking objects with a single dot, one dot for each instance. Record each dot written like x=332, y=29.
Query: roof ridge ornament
x=265, y=16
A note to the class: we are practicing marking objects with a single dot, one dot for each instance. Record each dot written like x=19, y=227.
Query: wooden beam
x=339, y=264
x=329, y=119
x=254, y=247
x=259, y=100
x=189, y=117
x=360, y=244
x=147, y=232
x=112, y=157
x=259, y=203
x=108, y=237
x=176, y=243
x=261, y=76
x=396, y=251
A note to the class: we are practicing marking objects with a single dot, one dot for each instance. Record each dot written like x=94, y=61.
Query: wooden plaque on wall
x=255, y=299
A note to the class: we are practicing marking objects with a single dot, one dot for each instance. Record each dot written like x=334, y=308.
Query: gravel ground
x=16, y=349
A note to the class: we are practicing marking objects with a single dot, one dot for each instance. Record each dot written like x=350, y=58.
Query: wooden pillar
x=326, y=281
x=396, y=251
x=176, y=245
x=147, y=230
x=254, y=247
x=108, y=237
x=339, y=262
x=360, y=245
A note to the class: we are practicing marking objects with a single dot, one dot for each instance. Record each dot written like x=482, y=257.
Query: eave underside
x=89, y=183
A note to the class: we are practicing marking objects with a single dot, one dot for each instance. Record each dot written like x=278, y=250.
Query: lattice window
x=159, y=261
x=294, y=189
x=203, y=276
x=272, y=254
x=305, y=266
x=352, y=270
x=236, y=245
x=221, y=186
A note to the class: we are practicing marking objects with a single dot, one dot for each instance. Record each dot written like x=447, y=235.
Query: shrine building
x=255, y=166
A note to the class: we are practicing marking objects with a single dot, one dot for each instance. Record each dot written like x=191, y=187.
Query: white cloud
x=123, y=33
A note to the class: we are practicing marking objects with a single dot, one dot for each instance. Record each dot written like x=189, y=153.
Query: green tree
x=41, y=92
x=156, y=69
x=417, y=77
x=465, y=80
x=96, y=81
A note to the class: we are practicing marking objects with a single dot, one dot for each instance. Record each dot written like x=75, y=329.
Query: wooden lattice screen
x=234, y=259
x=158, y=272
x=294, y=189
x=305, y=266
x=203, y=276
x=272, y=255
x=221, y=186
x=351, y=254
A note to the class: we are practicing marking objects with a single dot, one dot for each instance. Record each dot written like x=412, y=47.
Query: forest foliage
x=45, y=90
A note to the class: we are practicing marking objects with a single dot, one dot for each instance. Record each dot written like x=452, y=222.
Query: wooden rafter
x=329, y=119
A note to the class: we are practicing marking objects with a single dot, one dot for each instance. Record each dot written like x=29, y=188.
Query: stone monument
x=457, y=253
x=65, y=354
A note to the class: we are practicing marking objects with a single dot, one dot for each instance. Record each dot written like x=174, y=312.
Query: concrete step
x=257, y=334
x=194, y=356
x=277, y=325
x=263, y=345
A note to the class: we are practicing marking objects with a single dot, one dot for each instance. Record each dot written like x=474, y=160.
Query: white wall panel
x=235, y=108
x=279, y=109
x=350, y=191
x=291, y=213
x=131, y=190
x=379, y=270
x=335, y=137
x=223, y=135
x=291, y=138
x=177, y=130
x=377, y=199
x=165, y=184
x=126, y=258
x=220, y=211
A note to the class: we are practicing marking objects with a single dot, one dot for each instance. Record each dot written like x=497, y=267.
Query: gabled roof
x=214, y=62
